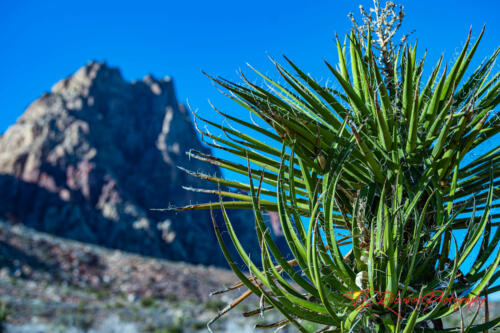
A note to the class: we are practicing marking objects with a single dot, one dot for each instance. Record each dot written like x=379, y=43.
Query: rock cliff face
x=88, y=160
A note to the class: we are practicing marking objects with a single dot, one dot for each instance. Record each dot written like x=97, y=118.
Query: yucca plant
x=370, y=185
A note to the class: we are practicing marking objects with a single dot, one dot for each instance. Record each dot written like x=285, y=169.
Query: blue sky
x=43, y=42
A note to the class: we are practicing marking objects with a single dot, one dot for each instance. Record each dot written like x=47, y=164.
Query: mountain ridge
x=90, y=158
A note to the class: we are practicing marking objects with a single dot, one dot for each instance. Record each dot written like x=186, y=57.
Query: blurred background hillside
x=95, y=120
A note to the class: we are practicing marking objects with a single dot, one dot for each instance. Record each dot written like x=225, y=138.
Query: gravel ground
x=49, y=284
x=56, y=285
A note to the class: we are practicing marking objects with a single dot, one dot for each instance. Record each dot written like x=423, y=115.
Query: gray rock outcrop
x=88, y=160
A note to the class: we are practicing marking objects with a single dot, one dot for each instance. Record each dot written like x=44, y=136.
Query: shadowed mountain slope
x=88, y=160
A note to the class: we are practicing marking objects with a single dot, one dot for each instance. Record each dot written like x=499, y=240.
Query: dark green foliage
x=378, y=165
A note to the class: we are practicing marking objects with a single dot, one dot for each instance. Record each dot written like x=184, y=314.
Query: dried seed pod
x=321, y=161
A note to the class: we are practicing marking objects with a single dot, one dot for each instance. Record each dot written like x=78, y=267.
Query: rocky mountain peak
x=92, y=75
x=89, y=159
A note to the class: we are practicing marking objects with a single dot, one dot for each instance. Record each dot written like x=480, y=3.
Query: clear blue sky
x=45, y=41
